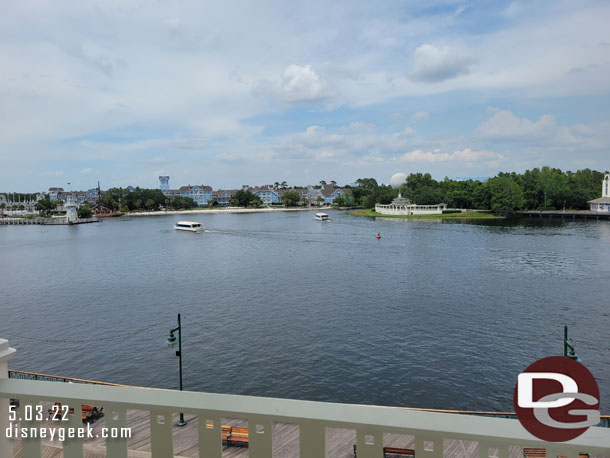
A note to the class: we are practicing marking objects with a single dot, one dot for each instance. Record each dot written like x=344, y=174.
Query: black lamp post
x=171, y=342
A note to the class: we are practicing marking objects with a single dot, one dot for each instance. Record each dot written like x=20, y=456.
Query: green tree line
x=536, y=189
x=143, y=199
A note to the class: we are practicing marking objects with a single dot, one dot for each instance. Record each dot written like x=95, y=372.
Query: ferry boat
x=322, y=217
x=191, y=226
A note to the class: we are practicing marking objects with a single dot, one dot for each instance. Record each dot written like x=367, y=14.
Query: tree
x=333, y=183
x=291, y=198
x=322, y=183
x=150, y=204
x=256, y=202
x=242, y=198
x=506, y=194
x=284, y=185
x=45, y=205
x=319, y=200
x=84, y=211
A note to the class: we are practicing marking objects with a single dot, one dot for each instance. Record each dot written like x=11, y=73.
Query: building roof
x=601, y=200
x=189, y=187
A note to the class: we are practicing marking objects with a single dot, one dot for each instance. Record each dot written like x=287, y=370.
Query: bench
x=236, y=435
x=392, y=451
x=541, y=453
x=91, y=413
x=88, y=413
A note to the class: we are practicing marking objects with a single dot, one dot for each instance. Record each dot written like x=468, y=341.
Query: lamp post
x=171, y=342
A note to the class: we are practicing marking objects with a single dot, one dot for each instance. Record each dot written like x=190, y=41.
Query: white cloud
x=503, y=124
x=398, y=178
x=420, y=116
x=468, y=155
x=465, y=155
x=299, y=84
x=86, y=171
x=358, y=126
x=434, y=65
x=424, y=156
x=54, y=173
x=325, y=156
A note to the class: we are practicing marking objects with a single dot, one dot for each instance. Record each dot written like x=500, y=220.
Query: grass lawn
x=466, y=215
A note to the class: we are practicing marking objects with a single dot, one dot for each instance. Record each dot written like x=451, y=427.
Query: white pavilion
x=403, y=206
x=603, y=203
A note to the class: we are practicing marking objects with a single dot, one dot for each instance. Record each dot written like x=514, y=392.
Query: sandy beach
x=227, y=210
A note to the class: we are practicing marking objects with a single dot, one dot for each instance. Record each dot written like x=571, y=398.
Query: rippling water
x=435, y=314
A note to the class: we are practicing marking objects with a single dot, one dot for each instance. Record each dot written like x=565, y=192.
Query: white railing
x=494, y=435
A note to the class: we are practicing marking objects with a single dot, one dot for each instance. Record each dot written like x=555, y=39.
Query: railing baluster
x=312, y=437
x=161, y=442
x=484, y=448
x=73, y=447
x=116, y=417
x=210, y=436
x=260, y=437
x=420, y=446
x=369, y=444
x=30, y=447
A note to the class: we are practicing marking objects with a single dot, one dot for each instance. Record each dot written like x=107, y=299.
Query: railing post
x=6, y=353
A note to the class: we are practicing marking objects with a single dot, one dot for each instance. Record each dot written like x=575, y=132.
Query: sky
x=253, y=92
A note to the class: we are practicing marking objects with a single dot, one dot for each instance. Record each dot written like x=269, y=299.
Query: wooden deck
x=339, y=442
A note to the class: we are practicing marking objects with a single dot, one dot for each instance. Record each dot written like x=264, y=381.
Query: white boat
x=191, y=226
x=322, y=217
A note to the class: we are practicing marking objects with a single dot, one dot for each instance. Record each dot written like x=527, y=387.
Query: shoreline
x=225, y=210
x=465, y=215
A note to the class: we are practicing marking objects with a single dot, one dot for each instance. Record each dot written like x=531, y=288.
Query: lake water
x=435, y=314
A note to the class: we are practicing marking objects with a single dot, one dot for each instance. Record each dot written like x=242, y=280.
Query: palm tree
x=284, y=185
x=322, y=183
x=333, y=183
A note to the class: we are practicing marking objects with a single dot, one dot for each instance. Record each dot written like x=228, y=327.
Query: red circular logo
x=556, y=399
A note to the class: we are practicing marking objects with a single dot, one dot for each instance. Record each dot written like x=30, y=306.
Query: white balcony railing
x=494, y=435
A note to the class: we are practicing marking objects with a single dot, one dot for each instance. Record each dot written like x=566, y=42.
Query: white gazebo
x=403, y=206
x=603, y=203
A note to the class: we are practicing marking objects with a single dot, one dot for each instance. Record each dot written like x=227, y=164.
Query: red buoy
x=378, y=235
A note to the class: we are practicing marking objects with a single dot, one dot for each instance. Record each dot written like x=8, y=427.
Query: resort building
x=268, y=195
x=327, y=193
x=54, y=193
x=223, y=196
x=164, y=184
x=403, y=206
x=603, y=203
x=200, y=194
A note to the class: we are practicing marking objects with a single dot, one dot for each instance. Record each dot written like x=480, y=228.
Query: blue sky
x=231, y=93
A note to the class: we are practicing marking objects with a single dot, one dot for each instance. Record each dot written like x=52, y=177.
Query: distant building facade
x=327, y=194
x=164, y=184
x=268, y=195
x=223, y=196
x=603, y=203
x=200, y=194
x=403, y=206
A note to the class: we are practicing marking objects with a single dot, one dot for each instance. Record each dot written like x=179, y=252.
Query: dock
x=564, y=214
x=45, y=221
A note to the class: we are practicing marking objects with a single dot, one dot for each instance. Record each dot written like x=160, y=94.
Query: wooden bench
x=392, y=451
x=541, y=453
x=91, y=413
x=236, y=435
x=88, y=413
